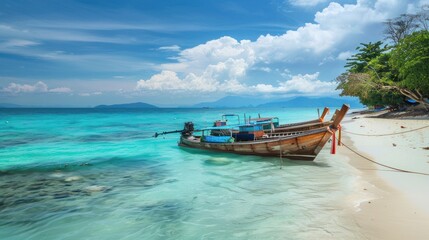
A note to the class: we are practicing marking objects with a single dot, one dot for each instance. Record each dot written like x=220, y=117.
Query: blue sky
x=79, y=53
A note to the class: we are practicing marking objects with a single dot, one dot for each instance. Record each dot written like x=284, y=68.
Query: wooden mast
x=325, y=111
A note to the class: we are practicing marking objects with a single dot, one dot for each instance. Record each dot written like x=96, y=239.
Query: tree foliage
x=366, y=52
x=411, y=59
x=367, y=71
x=387, y=75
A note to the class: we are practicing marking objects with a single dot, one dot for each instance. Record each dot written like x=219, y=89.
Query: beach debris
x=355, y=117
x=369, y=201
x=362, y=126
x=403, y=127
x=425, y=148
x=73, y=178
x=394, y=144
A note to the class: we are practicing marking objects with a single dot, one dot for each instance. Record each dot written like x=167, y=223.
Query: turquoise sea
x=98, y=174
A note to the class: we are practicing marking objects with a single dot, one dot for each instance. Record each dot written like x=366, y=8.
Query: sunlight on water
x=92, y=174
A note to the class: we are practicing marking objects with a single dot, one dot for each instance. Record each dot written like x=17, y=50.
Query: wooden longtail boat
x=302, y=145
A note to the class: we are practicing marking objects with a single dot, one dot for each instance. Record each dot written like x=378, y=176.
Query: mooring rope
x=386, y=134
x=381, y=164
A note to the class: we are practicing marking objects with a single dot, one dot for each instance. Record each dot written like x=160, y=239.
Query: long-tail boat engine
x=188, y=129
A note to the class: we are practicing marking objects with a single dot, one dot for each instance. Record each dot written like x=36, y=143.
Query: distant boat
x=252, y=139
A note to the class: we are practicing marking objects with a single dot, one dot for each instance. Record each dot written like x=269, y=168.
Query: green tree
x=367, y=73
x=378, y=75
x=366, y=52
x=368, y=91
x=410, y=58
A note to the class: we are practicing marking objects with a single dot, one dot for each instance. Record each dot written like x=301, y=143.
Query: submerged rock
x=73, y=178
x=217, y=161
x=57, y=175
x=96, y=188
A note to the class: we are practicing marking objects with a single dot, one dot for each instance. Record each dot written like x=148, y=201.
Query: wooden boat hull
x=303, y=146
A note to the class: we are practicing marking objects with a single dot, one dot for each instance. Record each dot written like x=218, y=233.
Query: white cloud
x=39, y=87
x=424, y=3
x=166, y=80
x=90, y=94
x=305, y=84
x=215, y=52
x=286, y=73
x=173, y=48
x=222, y=64
x=57, y=34
x=344, y=55
x=306, y=3
x=60, y=90
x=264, y=69
x=19, y=43
x=169, y=81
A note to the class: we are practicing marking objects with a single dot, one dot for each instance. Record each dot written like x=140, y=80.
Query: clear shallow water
x=98, y=174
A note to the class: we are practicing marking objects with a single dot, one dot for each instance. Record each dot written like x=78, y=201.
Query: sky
x=82, y=53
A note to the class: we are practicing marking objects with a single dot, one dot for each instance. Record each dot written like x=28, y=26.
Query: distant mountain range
x=314, y=102
x=236, y=101
x=232, y=102
x=136, y=105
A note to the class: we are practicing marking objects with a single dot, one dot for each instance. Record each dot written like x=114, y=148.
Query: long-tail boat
x=302, y=145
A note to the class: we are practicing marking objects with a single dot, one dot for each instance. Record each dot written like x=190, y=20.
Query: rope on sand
x=387, y=134
x=383, y=165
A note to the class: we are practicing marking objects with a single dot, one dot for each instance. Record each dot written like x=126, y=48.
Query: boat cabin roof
x=221, y=127
x=264, y=119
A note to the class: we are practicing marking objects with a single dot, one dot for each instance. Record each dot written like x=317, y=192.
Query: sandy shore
x=389, y=204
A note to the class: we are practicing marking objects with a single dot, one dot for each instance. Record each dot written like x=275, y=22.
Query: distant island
x=137, y=105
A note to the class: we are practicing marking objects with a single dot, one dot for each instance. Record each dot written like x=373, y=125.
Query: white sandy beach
x=389, y=204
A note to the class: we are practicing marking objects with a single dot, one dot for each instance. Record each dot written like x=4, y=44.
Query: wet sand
x=386, y=203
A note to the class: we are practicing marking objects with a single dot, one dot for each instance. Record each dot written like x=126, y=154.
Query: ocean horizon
x=85, y=173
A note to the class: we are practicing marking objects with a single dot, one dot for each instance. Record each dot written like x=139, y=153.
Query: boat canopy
x=227, y=127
